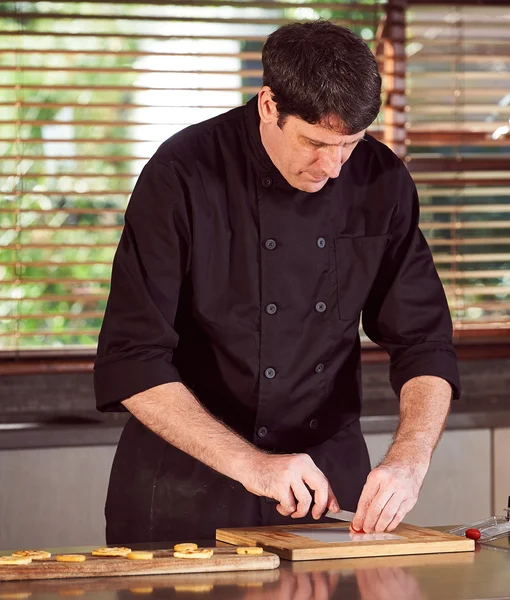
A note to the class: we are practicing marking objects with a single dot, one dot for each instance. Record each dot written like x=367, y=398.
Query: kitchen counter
x=483, y=574
x=21, y=432
x=49, y=410
x=91, y=428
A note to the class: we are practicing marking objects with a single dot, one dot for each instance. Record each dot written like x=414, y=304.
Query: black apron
x=158, y=493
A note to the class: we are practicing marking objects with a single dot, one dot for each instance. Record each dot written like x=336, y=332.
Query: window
x=88, y=92
x=458, y=83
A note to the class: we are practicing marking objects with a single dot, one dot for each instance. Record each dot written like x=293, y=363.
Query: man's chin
x=306, y=184
x=311, y=186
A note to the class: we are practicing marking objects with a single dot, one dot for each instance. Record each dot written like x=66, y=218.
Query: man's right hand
x=285, y=478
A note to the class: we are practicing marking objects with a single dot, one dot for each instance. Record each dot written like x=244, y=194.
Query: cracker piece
x=200, y=553
x=33, y=554
x=71, y=558
x=249, y=550
x=15, y=560
x=185, y=546
x=140, y=555
x=116, y=551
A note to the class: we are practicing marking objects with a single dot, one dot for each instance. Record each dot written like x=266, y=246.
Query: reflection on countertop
x=482, y=574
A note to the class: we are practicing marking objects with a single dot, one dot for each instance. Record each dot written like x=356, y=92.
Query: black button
x=321, y=242
x=319, y=368
x=271, y=309
x=270, y=244
x=270, y=373
x=320, y=306
x=262, y=432
x=267, y=182
x=314, y=424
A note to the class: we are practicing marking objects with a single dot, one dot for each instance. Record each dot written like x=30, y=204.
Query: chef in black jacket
x=252, y=243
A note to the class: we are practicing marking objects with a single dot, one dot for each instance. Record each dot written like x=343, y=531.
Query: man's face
x=306, y=155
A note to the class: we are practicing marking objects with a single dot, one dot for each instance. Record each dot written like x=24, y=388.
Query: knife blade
x=343, y=515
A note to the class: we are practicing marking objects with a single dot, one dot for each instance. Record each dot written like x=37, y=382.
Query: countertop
x=483, y=574
x=91, y=428
x=58, y=409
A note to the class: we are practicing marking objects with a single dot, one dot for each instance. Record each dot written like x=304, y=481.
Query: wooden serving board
x=281, y=541
x=163, y=563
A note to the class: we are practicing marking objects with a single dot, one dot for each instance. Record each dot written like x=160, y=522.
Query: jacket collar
x=252, y=119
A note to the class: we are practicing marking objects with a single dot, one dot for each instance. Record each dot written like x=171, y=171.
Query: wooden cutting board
x=223, y=559
x=283, y=540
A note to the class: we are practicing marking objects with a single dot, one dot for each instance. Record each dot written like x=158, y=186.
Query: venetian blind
x=88, y=91
x=458, y=91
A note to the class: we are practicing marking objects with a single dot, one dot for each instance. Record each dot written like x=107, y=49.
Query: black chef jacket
x=249, y=292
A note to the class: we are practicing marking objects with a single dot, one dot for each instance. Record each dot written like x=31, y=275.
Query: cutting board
x=223, y=559
x=284, y=541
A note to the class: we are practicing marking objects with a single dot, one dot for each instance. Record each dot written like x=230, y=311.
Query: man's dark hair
x=318, y=70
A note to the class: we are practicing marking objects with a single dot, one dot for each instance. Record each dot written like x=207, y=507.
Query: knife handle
x=273, y=501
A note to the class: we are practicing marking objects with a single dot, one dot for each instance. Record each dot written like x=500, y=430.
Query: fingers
x=301, y=476
x=370, y=489
x=376, y=508
x=303, y=497
x=333, y=504
x=388, y=513
x=287, y=502
x=402, y=511
x=323, y=494
x=329, y=501
x=388, y=495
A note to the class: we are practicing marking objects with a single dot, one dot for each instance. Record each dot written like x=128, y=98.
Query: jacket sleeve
x=406, y=312
x=137, y=337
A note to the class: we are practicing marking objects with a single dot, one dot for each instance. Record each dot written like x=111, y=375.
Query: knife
x=343, y=515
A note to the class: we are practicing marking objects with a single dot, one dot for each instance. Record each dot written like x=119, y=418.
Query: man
x=252, y=243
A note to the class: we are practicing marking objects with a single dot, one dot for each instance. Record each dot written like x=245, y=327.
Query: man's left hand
x=389, y=494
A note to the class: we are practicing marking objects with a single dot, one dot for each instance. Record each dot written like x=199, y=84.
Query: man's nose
x=332, y=161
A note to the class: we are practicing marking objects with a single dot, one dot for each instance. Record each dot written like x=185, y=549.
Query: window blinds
x=88, y=91
x=458, y=92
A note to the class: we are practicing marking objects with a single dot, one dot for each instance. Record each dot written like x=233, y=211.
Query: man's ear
x=267, y=106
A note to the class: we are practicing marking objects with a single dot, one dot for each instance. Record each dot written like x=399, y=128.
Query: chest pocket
x=357, y=263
